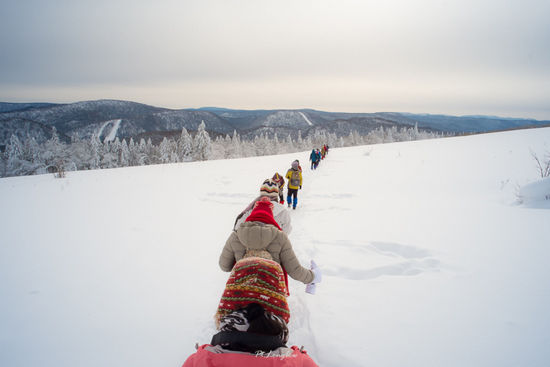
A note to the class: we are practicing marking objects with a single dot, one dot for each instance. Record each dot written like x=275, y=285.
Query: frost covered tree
x=218, y=148
x=388, y=137
x=14, y=154
x=236, y=145
x=55, y=154
x=135, y=153
x=226, y=143
x=263, y=145
x=299, y=140
x=116, y=150
x=185, y=146
x=29, y=157
x=375, y=136
x=110, y=155
x=80, y=153
x=164, y=151
x=3, y=164
x=289, y=145
x=415, y=134
x=319, y=138
x=275, y=145
x=202, y=145
x=31, y=150
x=96, y=151
x=124, y=157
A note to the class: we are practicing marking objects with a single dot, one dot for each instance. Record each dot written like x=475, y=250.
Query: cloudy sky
x=455, y=57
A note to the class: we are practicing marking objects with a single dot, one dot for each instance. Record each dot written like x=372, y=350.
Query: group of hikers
x=253, y=313
x=317, y=155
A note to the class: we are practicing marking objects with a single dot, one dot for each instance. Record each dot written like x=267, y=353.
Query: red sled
x=205, y=358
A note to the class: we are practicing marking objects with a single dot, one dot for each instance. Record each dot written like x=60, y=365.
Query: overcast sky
x=455, y=57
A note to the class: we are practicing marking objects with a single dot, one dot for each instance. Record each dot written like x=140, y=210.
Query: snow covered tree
x=3, y=164
x=262, y=145
x=54, y=155
x=375, y=136
x=96, y=151
x=138, y=153
x=164, y=150
x=388, y=137
x=110, y=156
x=80, y=153
x=236, y=145
x=31, y=150
x=415, y=133
x=15, y=164
x=185, y=146
x=319, y=138
x=218, y=149
x=275, y=145
x=116, y=150
x=135, y=152
x=124, y=157
x=202, y=145
x=299, y=141
x=289, y=145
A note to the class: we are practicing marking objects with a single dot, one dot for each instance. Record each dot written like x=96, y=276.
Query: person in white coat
x=269, y=188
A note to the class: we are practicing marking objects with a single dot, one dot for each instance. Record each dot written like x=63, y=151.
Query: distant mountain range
x=124, y=119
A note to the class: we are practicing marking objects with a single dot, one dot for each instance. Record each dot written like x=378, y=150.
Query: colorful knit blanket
x=255, y=280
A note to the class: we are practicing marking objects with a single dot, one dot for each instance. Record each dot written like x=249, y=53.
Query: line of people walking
x=317, y=155
x=253, y=312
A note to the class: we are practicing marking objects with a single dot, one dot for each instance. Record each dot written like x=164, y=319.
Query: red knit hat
x=263, y=212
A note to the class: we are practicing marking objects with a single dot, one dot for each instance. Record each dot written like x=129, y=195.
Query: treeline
x=55, y=156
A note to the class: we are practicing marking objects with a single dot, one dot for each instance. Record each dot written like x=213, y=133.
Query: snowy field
x=428, y=257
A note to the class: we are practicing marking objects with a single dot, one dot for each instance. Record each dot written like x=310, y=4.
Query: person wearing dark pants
x=294, y=177
x=292, y=197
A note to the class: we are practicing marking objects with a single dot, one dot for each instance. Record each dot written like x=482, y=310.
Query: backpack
x=264, y=254
x=295, y=178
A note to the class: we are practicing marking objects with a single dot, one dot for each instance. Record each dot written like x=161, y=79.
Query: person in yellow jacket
x=294, y=177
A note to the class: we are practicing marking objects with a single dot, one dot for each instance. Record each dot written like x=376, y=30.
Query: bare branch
x=542, y=166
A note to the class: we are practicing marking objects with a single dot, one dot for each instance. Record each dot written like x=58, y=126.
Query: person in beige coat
x=261, y=236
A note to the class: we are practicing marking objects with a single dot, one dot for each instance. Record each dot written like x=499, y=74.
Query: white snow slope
x=428, y=258
x=112, y=133
x=306, y=119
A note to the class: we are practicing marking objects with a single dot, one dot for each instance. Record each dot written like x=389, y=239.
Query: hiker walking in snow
x=260, y=252
x=314, y=159
x=318, y=158
x=281, y=182
x=294, y=176
x=269, y=189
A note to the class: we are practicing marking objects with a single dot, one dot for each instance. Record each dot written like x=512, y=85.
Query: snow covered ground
x=428, y=257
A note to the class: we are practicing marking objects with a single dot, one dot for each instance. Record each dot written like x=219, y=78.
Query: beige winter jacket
x=260, y=236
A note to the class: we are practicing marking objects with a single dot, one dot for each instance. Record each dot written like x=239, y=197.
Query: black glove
x=300, y=187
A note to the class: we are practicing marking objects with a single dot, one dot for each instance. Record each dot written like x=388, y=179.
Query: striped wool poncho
x=255, y=280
